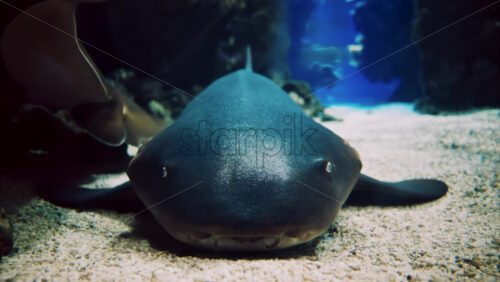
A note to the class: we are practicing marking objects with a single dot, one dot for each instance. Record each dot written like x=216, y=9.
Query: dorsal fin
x=248, y=64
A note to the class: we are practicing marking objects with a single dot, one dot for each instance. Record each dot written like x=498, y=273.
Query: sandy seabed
x=457, y=236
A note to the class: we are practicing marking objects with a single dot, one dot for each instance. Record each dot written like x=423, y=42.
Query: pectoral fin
x=369, y=191
x=122, y=198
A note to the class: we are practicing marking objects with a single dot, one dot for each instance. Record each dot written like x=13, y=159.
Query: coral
x=301, y=93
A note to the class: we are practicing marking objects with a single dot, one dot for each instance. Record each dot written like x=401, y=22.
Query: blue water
x=331, y=25
x=356, y=89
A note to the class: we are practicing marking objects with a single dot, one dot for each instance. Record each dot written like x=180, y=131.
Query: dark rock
x=6, y=234
x=158, y=99
x=461, y=63
x=189, y=44
x=186, y=43
x=44, y=142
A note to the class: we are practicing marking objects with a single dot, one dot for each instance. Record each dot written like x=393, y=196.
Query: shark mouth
x=247, y=244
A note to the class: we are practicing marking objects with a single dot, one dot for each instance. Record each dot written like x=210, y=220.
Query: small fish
x=42, y=52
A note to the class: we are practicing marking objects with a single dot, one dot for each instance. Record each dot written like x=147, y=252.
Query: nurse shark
x=244, y=169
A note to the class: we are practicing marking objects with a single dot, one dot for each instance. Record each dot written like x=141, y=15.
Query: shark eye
x=325, y=166
x=164, y=172
x=329, y=167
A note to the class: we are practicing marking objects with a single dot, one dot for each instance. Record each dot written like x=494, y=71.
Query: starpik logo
x=291, y=138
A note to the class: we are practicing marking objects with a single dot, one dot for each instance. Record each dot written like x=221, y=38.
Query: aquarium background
x=328, y=52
